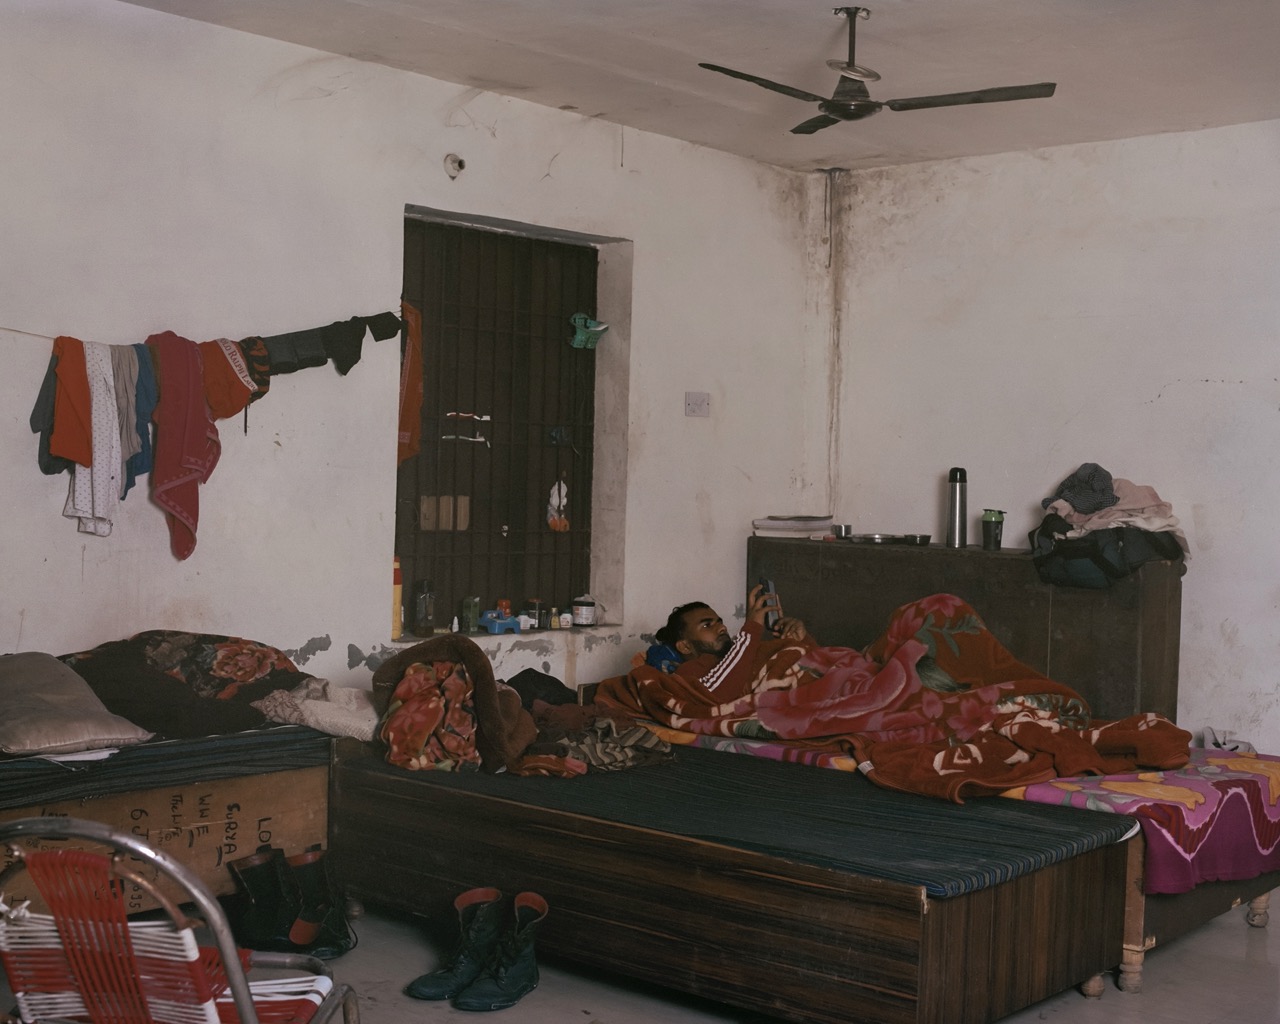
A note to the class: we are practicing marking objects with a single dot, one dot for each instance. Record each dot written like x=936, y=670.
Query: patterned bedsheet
x=1217, y=819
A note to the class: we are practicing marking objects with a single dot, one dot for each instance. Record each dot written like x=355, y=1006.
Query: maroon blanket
x=934, y=706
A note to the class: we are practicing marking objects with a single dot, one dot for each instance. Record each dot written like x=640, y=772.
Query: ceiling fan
x=852, y=102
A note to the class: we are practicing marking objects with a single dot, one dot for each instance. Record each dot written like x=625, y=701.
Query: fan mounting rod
x=850, y=68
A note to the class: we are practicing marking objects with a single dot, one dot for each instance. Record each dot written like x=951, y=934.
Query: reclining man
x=723, y=666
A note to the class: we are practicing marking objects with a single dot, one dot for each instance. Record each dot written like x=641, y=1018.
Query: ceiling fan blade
x=786, y=90
x=953, y=99
x=814, y=124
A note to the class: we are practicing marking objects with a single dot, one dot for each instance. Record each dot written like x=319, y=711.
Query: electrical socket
x=697, y=403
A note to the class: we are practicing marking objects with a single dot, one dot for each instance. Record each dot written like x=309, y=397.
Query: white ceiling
x=1123, y=67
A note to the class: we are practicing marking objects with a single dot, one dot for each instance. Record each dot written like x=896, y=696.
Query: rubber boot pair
x=320, y=928
x=270, y=900
x=494, y=965
x=288, y=904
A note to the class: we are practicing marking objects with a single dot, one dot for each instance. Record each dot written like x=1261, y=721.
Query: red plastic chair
x=87, y=961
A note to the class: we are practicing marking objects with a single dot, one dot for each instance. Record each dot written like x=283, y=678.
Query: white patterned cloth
x=318, y=703
x=94, y=493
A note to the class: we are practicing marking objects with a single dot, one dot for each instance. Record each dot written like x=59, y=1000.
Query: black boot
x=480, y=916
x=320, y=928
x=273, y=900
x=512, y=970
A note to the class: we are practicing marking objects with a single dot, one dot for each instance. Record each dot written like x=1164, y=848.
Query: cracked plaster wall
x=162, y=174
x=1019, y=315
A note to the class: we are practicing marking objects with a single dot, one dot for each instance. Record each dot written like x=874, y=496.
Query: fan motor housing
x=849, y=110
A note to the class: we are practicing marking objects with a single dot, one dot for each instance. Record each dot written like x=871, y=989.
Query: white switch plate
x=697, y=403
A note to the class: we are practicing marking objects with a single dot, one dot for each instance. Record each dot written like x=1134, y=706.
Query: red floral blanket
x=935, y=706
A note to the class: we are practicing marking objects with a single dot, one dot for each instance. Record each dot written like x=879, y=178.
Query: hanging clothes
x=187, y=445
x=343, y=342
x=410, y=439
x=258, y=363
x=124, y=368
x=42, y=422
x=145, y=397
x=228, y=385
x=297, y=350
x=72, y=436
x=94, y=492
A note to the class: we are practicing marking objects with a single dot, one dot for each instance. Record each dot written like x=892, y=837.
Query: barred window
x=497, y=502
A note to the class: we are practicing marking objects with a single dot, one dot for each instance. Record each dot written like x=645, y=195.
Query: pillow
x=48, y=709
x=225, y=668
x=128, y=684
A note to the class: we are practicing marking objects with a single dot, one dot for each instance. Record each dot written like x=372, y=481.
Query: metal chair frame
x=119, y=847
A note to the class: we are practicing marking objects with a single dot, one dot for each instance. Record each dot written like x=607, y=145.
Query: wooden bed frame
x=755, y=929
x=1119, y=648
x=751, y=926
x=1153, y=919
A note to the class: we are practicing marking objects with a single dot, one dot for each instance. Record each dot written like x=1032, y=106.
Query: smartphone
x=770, y=618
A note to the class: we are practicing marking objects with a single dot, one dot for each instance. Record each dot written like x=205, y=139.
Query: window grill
x=507, y=417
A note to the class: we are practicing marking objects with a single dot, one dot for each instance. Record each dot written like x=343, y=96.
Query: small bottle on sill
x=424, y=610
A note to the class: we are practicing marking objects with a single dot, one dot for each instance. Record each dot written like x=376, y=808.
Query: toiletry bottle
x=424, y=610
x=957, y=515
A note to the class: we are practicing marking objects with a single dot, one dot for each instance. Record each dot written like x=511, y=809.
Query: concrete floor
x=1224, y=973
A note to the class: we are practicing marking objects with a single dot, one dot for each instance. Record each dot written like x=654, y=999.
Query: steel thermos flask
x=957, y=516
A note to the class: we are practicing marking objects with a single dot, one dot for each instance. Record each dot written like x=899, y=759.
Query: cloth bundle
x=1091, y=499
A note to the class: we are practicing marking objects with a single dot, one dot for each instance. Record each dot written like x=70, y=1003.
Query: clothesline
x=98, y=405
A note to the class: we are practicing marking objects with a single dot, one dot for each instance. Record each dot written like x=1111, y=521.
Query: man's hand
x=791, y=629
x=760, y=603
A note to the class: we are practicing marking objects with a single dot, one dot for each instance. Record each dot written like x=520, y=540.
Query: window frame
x=611, y=398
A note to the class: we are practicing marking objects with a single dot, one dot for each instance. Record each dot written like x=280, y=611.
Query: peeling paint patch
x=542, y=647
x=309, y=650
x=594, y=640
x=357, y=657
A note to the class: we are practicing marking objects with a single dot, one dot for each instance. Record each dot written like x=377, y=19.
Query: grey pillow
x=45, y=708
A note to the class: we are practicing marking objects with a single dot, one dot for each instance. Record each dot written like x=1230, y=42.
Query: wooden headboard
x=1117, y=647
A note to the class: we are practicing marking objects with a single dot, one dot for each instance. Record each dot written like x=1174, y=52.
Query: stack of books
x=799, y=527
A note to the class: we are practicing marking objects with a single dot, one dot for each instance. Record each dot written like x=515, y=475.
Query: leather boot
x=512, y=970
x=480, y=917
x=273, y=900
x=320, y=928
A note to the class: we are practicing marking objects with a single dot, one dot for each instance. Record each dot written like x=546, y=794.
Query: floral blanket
x=182, y=685
x=935, y=706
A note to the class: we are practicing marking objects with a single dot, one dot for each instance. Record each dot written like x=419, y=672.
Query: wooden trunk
x=203, y=825
x=1117, y=647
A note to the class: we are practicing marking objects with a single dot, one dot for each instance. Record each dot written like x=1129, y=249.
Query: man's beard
x=718, y=648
